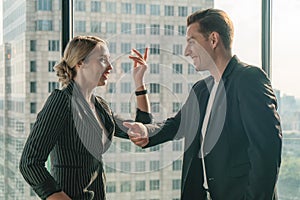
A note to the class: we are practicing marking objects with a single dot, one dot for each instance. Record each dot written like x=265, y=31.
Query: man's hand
x=59, y=196
x=137, y=133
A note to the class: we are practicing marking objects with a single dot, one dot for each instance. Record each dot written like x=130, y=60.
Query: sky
x=246, y=16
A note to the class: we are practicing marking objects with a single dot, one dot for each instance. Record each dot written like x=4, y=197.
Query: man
x=230, y=124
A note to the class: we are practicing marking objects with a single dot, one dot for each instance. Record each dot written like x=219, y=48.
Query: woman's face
x=97, y=66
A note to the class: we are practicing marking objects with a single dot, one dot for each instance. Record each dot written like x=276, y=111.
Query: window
x=125, y=107
x=140, y=29
x=80, y=5
x=154, y=29
x=125, y=146
x=177, y=145
x=32, y=45
x=32, y=87
x=169, y=10
x=154, y=165
x=191, y=69
x=177, y=88
x=53, y=45
x=44, y=5
x=126, y=28
x=112, y=88
x=181, y=30
x=154, y=107
x=139, y=149
x=176, y=106
x=126, y=8
x=111, y=7
x=141, y=47
x=51, y=64
x=140, y=9
x=125, y=48
x=126, y=87
x=140, y=166
x=154, y=68
x=154, y=49
x=113, y=106
x=110, y=187
x=112, y=47
x=95, y=27
x=177, y=68
x=154, y=88
x=154, y=148
x=140, y=186
x=125, y=186
x=112, y=148
x=126, y=68
x=177, y=165
x=155, y=10
x=95, y=6
x=33, y=107
x=44, y=25
x=111, y=27
x=182, y=11
x=32, y=66
x=125, y=166
x=176, y=184
x=52, y=86
x=80, y=26
x=169, y=30
x=110, y=167
x=177, y=49
x=194, y=9
x=154, y=184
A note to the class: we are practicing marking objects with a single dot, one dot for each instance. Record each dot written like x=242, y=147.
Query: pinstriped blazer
x=67, y=129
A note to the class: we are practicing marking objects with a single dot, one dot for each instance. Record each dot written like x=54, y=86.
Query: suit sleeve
x=261, y=123
x=141, y=116
x=41, y=140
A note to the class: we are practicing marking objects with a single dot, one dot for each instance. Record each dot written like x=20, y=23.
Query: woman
x=75, y=127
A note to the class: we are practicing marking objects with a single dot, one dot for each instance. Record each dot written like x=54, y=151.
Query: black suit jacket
x=242, y=146
x=66, y=129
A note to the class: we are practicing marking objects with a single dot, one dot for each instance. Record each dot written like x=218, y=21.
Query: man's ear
x=214, y=38
x=80, y=64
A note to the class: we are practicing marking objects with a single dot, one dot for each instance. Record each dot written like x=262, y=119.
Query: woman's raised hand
x=139, y=67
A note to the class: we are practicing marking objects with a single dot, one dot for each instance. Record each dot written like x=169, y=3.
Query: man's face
x=198, y=48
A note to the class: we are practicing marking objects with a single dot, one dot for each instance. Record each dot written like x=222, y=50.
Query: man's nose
x=187, y=51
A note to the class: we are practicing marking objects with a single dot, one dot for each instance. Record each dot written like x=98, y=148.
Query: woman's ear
x=80, y=64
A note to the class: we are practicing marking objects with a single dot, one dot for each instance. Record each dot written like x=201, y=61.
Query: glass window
x=140, y=166
x=112, y=88
x=125, y=186
x=32, y=87
x=176, y=106
x=155, y=49
x=169, y=10
x=177, y=88
x=125, y=48
x=154, y=165
x=126, y=28
x=191, y=69
x=154, y=68
x=177, y=145
x=140, y=29
x=111, y=27
x=154, y=88
x=80, y=5
x=110, y=187
x=177, y=49
x=182, y=11
x=126, y=67
x=154, y=148
x=51, y=64
x=80, y=26
x=33, y=107
x=32, y=66
x=53, y=45
x=44, y=25
x=52, y=86
x=140, y=9
x=140, y=186
x=111, y=7
x=125, y=107
x=110, y=167
x=125, y=166
x=32, y=45
x=113, y=106
x=176, y=184
x=44, y=5
x=95, y=27
x=126, y=8
x=125, y=146
x=181, y=30
x=154, y=29
x=141, y=47
x=154, y=185
x=177, y=68
x=155, y=10
x=95, y=6
x=169, y=29
x=126, y=87
x=112, y=47
x=177, y=165
x=154, y=107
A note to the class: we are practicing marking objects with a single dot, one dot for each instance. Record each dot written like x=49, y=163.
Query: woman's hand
x=139, y=67
x=59, y=196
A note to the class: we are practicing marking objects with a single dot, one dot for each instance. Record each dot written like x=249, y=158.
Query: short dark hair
x=210, y=20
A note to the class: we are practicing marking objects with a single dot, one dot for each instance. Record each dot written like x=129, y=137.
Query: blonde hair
x=76, y=51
